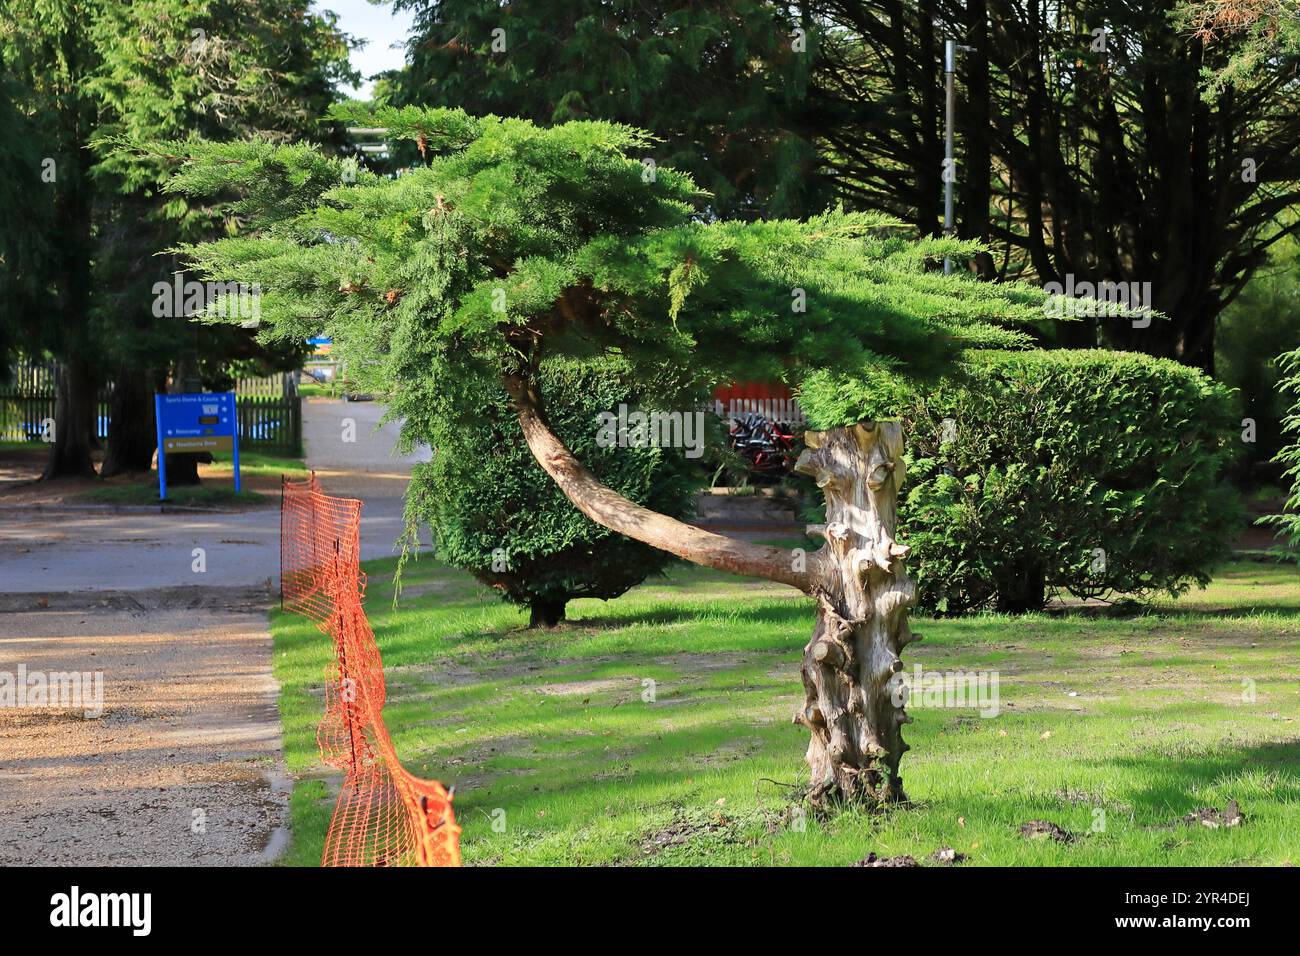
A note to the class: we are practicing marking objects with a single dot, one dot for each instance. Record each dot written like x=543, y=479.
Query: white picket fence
x=773, y=409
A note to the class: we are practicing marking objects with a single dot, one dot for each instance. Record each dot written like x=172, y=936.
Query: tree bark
x=183, y=468
x=1027, y=591
x=611, y=510
x=132, y=433
x=851, y=667
x=545, y=612
x=74, y=423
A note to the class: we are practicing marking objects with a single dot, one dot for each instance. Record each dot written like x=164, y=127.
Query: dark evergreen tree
x=1096, y=140
x=219, y=69
x=715, y=81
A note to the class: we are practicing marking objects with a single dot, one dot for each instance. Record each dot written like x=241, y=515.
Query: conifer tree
x=716, y=82
x=516, y=243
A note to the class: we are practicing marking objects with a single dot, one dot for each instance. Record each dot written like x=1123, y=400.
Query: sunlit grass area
x=655, y=729
x=258, y=463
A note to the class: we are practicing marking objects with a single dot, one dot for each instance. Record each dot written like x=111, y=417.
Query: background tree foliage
x=49, y=58
x=1086, y=147
x=87, y=74
x=24, y=253
x=713, y=81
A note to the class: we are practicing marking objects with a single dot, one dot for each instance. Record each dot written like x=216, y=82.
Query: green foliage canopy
x=713, y=81
x=515, y=241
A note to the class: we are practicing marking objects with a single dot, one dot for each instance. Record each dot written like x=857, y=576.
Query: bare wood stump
x=852, y=666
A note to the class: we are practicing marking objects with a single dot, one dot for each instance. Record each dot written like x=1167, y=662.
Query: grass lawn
x=257, y=463
x=145, y=494
x=256, y=468
x=551, y=729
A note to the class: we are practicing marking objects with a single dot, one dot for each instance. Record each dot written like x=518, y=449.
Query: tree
x=218, y=69
x=1250, y=331
x=1088, y=148
x=1260, y=28
x=713, y=81
x=496, y=514
x=48, y=58
x=25, y=255
x=516, y=243
x=80, y=75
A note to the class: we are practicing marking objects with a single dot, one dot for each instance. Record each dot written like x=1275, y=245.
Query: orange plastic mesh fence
x=385, y=816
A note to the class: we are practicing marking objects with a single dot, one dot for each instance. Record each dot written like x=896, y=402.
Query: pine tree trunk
x=74, y=423
x=852, y=666
x=545, y=612
x=1027, y=591
x=132, y=432
x=183, y=468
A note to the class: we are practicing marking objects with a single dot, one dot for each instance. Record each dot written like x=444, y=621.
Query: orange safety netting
x=385, y=816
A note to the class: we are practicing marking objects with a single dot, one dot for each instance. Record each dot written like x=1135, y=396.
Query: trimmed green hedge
x=485, y=497
x=1093, y=472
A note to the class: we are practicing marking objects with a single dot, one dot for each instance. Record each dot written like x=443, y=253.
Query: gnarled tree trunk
x=851, y=667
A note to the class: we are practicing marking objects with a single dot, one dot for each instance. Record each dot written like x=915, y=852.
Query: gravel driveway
x=183, y=766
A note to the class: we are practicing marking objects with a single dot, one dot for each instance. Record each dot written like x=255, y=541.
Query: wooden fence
x=27, y=403
x=270, y=415
x=270, y=410
x=773, y=409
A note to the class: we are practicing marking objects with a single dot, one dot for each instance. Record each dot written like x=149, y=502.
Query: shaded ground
x=656, y=729
x=184, y=765
x=21, y=467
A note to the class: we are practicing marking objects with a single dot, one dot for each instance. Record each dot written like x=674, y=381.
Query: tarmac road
x=94, y=549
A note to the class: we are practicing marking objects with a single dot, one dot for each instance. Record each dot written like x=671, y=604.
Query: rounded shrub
x=494, y=512
x=1090, y=472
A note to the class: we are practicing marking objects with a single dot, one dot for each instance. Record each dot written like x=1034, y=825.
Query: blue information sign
x=204, y=421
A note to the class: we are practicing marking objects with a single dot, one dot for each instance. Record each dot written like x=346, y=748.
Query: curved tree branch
x=608, y=508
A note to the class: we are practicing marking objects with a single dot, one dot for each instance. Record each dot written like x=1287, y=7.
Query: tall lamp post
x=950, y=48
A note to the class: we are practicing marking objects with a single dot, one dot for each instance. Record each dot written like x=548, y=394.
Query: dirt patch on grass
x=872, y=860
x=1045, y=830
x=1210, y=818
x=689, y=825
x=586, y=688
x=732, y=751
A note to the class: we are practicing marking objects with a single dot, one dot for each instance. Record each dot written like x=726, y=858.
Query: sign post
x=193, y=422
